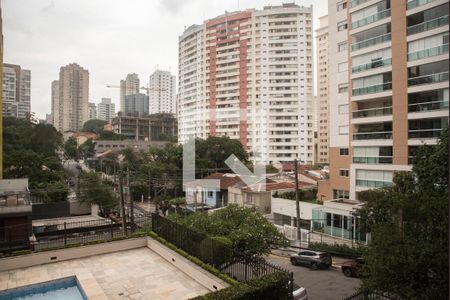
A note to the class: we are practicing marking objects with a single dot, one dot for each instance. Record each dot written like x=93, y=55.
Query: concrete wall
x=24, y=261
x=200, y=275
x=287, y=207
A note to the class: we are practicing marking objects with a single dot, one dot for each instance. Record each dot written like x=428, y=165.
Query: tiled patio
x=131, y=274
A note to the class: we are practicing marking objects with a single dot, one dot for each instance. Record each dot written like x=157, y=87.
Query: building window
x=328, y=219
x=341, y=5
x=210, y=194
x=343, y=88
x=341, y=194
x=343, y=67
x=342, y=46
x=343, y=172
x=343, y=109
x=343, y=130
x=337, y=221
x=343, y=151
x=342, y=25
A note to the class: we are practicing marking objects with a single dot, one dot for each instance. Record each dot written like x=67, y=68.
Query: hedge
x=273, y=286
x=338, y=249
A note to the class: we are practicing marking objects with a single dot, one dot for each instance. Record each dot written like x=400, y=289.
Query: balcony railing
x=372, y=112
x=372, y=183
x=424, y=133
x=428, y=52
x=426, y=79
x=373, y=18
x=373, y=41
x=382, y=135
x=372, y=65
x=415, y=3
x=372, y=160
x=428, y=106
x=357, y=2
x=372, y=89
x=425, y=26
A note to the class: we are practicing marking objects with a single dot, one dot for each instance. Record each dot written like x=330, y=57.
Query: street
x=321, y=284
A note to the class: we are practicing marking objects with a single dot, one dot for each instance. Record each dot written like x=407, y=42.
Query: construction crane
x=148, y=89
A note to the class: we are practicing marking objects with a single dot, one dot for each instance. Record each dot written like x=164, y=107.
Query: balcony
x=427, y=79
x=428, y=52
x=372, y=112
x=428, y=106
x=371, y=19
x=373, y=65
x=425, y=26
x=424, y=133
x=373, y=183
x=357, y=2
x=372, y=160
x=381, y=135
x=373, y=41
x=415, y=3
x=372, y=89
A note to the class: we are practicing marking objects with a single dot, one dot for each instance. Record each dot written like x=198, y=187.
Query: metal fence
x=67, y=234
x=212, y=251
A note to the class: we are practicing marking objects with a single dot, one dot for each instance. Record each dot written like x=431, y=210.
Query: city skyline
x=32, y=24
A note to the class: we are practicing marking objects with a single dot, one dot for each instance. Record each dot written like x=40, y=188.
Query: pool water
x=65, y=288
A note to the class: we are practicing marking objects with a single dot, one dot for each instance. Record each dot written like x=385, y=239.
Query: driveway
x=321, y=284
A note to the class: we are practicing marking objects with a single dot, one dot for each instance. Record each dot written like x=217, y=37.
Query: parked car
x=312, y=259
x=352, y=268
x=299, y=293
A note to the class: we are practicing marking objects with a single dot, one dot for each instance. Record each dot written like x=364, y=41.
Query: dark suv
x=312, y=259
x=353, y=267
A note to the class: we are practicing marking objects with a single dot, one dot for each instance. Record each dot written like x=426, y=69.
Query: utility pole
x=297, y=203
x=122, y=204
x=130, y=201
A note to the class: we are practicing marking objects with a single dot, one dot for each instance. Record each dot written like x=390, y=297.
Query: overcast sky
x=110, y=38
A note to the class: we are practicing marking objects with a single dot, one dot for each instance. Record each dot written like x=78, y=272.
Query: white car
x=299, y=293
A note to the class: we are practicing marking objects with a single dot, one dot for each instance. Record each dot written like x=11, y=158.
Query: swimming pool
x=65, y=288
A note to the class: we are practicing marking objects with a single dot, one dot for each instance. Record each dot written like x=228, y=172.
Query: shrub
x=338, y=249
x=21, y=252
x=273, y=286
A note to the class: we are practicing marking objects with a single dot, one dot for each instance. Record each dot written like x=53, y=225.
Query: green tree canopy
x=408, y=252
x=93, y=190
x=94, y=125
x=251, y=234
x=71, y=148
x=30, y=151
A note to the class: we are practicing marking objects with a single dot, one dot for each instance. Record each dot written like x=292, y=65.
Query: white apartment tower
x=129, y=86
x=388, y=89
x=322, y=115
x=106, y=110
x=162, y=92
x=70, y=98
x=16, y=91
x=249, y=75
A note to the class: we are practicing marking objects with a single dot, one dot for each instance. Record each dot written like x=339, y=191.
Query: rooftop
x=131, y=274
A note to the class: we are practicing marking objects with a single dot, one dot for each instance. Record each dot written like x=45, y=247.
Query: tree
x=92, y=190
x=71, y=148
x=94, y=125
x=111, y=136
x=87, y=148
x=251, y=234
x=408, y=252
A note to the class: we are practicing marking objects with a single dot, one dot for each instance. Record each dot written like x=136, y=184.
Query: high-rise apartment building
x=162, y=94
x=249, y=75
x=388, y=89
x=129, y=86
x=70, y=98
x=106, y=110
x=16, y=91
x=136, y=104
x=321, y=114
x=92, y=111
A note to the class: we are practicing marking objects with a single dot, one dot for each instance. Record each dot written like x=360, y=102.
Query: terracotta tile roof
x=226, y=179
x=274, y=186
